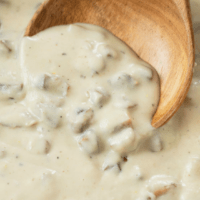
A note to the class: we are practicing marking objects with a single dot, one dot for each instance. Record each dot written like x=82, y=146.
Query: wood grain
x=159, y=31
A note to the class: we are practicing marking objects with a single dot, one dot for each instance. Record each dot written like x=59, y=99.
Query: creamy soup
x=75, y=117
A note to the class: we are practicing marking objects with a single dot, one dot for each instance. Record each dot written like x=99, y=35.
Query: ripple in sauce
x=75, y=110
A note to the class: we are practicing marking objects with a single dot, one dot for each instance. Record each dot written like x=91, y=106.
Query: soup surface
x=75, y=112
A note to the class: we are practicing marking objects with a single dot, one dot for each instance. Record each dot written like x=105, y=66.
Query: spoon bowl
x=159, y=31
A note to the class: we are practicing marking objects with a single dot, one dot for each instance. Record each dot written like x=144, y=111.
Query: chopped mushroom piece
x=16, y=116
x=51, y=116
x=112, y=159
x=136, y=173
x=123, y=80
x=123, y=141
x=191, y=179
x=80, y=119
x=155, y=143
x=161, y=184
x=98, y=97
x=111, y=125
x=142, y=72
x=96, y=64
x=52, y=83
x=107, y=51
x=89, y=142
x=125, y=124
x=89, y=64
x=38, y=146
x=192, y=171
x=89, y=45
x=116, y=169
x=122, y=101
x=47, y=113
x=11, y=91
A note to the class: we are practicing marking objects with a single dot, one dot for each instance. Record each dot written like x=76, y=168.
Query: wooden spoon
x=159, y=31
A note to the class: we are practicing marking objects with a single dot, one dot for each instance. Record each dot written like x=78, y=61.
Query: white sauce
x=66, y=112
